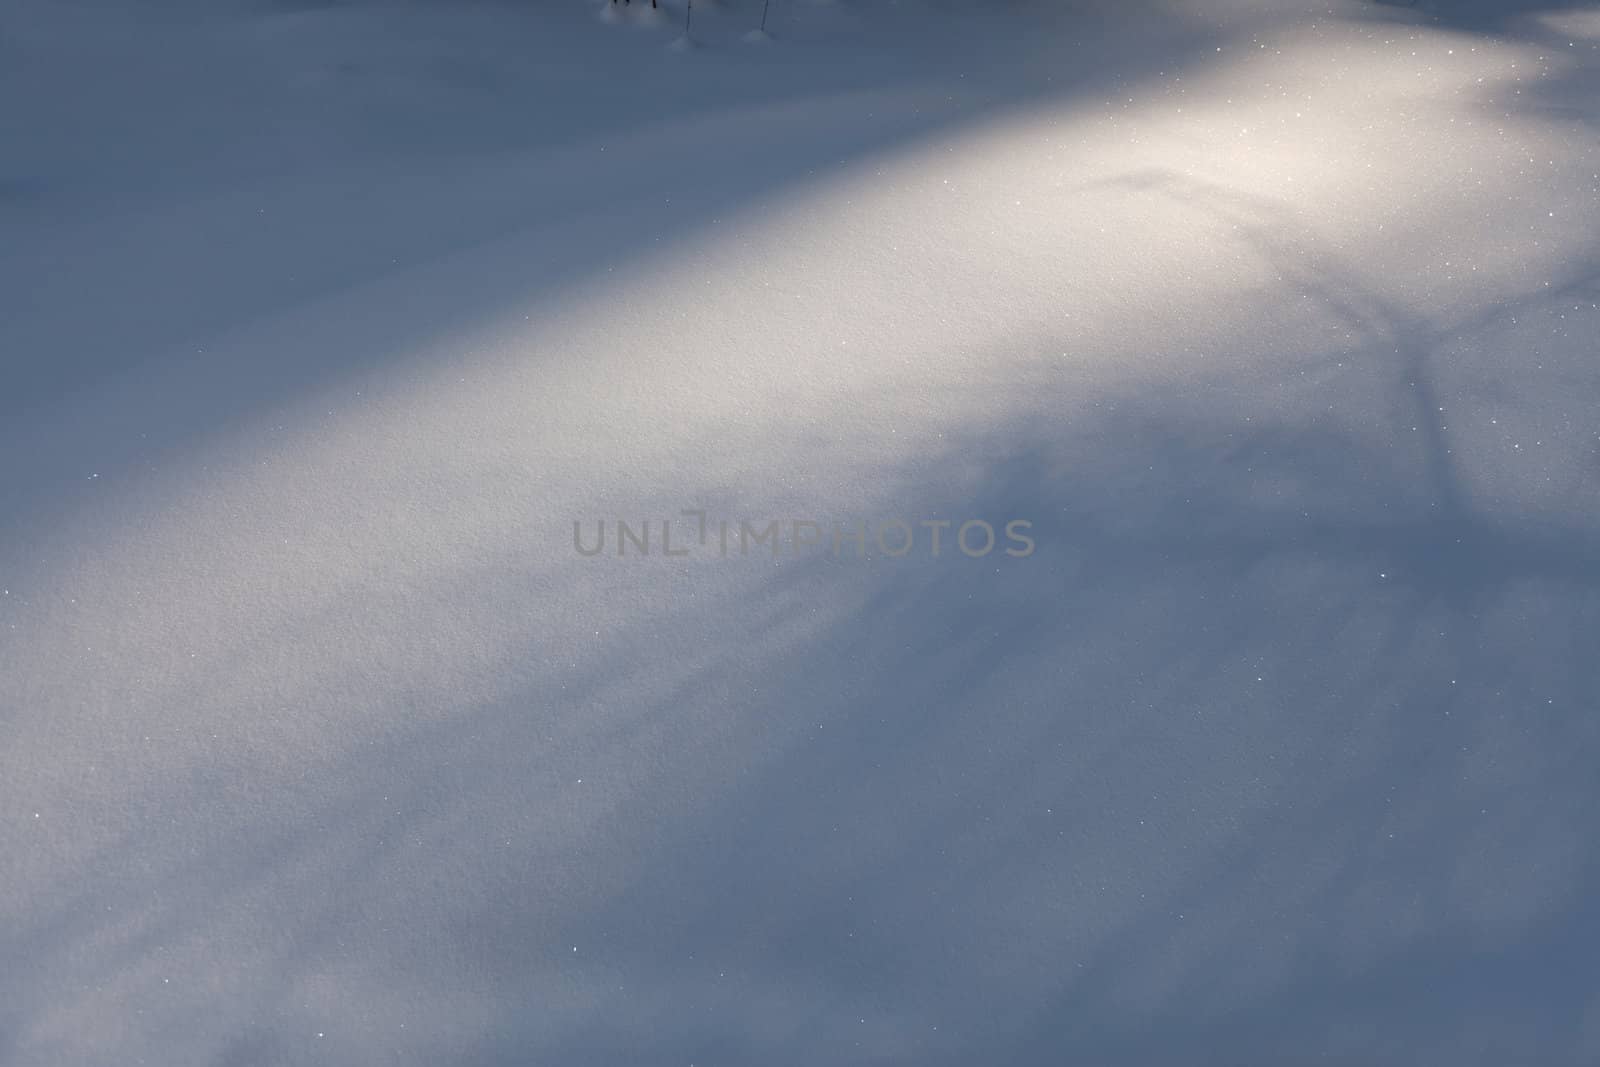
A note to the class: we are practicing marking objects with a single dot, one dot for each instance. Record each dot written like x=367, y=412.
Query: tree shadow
x=1564, y=31
x=1278, y=747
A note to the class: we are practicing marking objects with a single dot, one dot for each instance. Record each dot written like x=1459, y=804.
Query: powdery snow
x=323, y=326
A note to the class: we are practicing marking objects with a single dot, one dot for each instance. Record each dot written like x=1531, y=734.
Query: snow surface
x=321, y=325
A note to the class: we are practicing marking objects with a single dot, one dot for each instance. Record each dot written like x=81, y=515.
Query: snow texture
x=321, y=324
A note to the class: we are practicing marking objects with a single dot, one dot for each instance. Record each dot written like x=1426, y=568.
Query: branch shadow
x=1278, y=747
